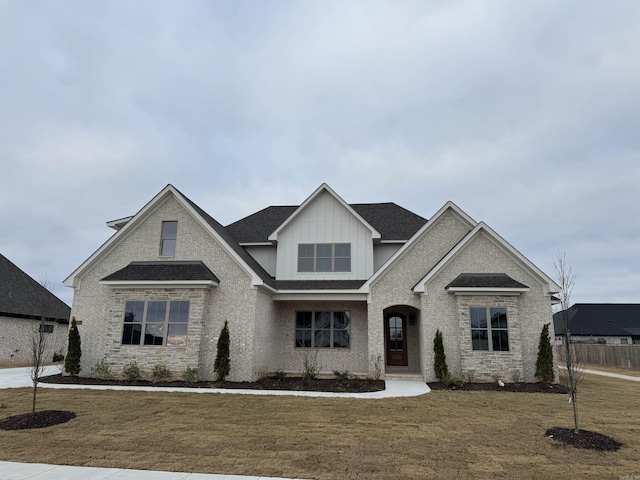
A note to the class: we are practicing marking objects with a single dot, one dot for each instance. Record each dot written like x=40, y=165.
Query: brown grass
x=440, y=435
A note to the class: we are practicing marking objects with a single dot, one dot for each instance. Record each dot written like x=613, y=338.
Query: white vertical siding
x=383, y=252
x=325, y=220
x=265, y=256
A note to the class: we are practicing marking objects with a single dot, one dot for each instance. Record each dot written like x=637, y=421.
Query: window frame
x=489, y=328
x=164, y=238
x=45, y=328
x=314, y=330
x=319, y=258
x=165, y=324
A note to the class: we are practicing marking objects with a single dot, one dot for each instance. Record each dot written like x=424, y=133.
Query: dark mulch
x=45, y=418
x=356, y=385
x=584, y=439
x=539, y=387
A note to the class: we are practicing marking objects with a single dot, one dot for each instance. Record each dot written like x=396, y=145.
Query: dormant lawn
x=439, y=435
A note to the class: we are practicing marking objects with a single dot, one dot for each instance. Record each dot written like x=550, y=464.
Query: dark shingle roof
x=391, y=220
x=160, y=271
x=601, y=319
x=21, y=296
x=318, y=284
x=485, y=280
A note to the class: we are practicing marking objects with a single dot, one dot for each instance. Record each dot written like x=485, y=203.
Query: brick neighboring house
x=23, y=303
x=363, y=285
x=603, y=323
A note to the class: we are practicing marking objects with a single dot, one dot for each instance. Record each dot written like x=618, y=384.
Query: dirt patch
x=45, y=418
x=353, y=385
x=539, y=387
x=584, y=439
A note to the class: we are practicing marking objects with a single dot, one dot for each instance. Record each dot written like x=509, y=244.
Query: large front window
x=156, y=323
x=324, y=257
x=489, y=329
x=323, y=329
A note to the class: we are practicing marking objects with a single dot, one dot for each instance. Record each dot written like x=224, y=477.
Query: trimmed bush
x=74, y=350
x=440, y=359
x=222, y=366
x=102, y=370
x=159, y=373
x=131, y=371
x=190, y=375
x=544, y=364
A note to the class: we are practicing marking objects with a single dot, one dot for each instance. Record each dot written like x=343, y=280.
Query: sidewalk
x=607, y=374
x=41, y=471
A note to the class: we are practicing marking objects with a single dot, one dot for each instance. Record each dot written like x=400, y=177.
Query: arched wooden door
x=395, y=327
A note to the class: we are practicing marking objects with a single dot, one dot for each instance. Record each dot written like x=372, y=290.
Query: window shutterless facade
x=324, y=257
x=489, y=329
x=323, y=329
x=156, y=323
x=168, y=238
x=46, y=328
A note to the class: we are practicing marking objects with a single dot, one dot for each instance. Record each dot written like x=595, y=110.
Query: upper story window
x=489, y=329
x=168, y=239
x=324, y=257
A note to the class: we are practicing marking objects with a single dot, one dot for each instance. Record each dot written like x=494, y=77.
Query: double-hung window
x=168, y=238
x=323, y=329
x=324, y=257
x=489, y=329
x=156, y=323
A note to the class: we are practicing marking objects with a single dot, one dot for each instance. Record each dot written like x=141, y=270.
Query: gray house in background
x=23, y=303
x=362, y=287
x=604, y=323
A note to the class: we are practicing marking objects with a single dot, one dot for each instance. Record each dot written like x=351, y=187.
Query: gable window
x=323, y=329
x=168, y=238
x=156, y=323
x=324, y=257
x=489, y=329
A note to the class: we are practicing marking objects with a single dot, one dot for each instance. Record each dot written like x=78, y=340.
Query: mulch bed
x=584, y=439
x=539, y=387
x=354, y=385
x=45, y=418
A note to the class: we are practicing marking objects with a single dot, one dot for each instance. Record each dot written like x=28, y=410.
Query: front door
x=396, y=339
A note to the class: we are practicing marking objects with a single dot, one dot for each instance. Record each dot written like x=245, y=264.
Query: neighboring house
x=361, y=286
x=610, y=323
x=23, y=304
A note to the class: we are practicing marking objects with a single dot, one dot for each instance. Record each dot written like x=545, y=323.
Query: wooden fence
x=624, y=356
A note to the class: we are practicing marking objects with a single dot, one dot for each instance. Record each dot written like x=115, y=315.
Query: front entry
x=395, y=328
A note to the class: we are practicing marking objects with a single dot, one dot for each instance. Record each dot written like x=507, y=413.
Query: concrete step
x=407, y=377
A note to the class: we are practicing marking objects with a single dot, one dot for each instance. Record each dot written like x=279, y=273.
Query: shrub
x=74, y=350
x=310, y=369
x=102, y=370
x=58, y=357
x=131, y=371
x=279, y=374
x=342, y=375
x=452, y=382
x=159, y=373
x=190, y=375
x=440, y=359
x=544, y=364
x=222, y=365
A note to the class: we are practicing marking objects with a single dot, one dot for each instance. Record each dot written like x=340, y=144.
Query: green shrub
x=342, y=375
x=102, y=370
x=222, y=365
x=131, y=371
x=74, y=350
x=190, y=375
x=440, y=359
x=310, y=369
x=159, y=373
x=453, y=382
x=279, y=374
x=544, y=364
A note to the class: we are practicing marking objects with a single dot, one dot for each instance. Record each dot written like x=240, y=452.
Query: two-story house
x=363, y=285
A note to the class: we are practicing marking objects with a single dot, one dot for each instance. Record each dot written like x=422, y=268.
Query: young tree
x=566, y=280
x=440, y=358
x=223, y=363
x=544, y=364
x=40, y=339
x=74, y=350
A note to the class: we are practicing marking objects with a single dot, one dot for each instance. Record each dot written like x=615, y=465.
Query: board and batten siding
x=325, y=220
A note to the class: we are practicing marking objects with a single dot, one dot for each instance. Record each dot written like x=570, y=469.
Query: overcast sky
x=525, y=114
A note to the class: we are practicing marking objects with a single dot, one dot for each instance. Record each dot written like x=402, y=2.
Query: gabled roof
x=604, y=319
x=246, y=261
x=323, y=188
x=22, y=296
x=163, y=271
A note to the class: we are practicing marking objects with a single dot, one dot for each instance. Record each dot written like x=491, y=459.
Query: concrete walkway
x=607, y=374
x=19, y=377
x=41, y=471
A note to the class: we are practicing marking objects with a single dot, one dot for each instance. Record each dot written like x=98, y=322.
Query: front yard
x=443, y=434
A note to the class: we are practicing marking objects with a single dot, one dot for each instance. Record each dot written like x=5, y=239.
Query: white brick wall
x=16, y=335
